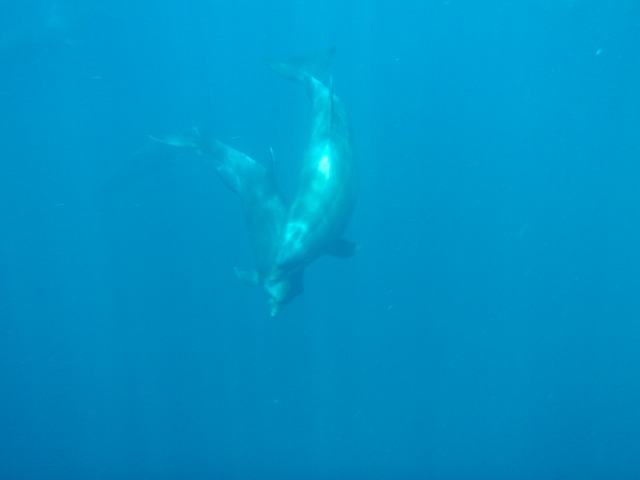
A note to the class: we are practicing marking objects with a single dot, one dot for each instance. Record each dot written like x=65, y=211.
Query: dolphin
x=287, y=238
x=327, y=189
x=264, y=208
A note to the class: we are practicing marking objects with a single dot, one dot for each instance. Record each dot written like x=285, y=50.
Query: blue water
x=488, y=328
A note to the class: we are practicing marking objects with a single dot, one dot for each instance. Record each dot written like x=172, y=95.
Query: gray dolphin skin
x=264, y=210
x=327, y=191
x=286, y=238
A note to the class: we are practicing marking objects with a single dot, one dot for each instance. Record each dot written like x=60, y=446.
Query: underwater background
x=489, y=326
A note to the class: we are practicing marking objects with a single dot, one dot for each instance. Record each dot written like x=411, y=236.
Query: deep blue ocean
x=488, y=327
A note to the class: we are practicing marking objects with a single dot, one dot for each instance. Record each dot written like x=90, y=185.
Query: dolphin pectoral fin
x=343, y=248
x=248, y=277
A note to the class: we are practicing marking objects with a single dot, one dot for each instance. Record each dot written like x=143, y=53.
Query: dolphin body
x=286, y=238
x=327, y=191
x=264, y=208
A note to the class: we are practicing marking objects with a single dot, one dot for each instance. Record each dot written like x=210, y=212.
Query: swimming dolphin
x=326, y=195
x=264, y=210
x=285, y=238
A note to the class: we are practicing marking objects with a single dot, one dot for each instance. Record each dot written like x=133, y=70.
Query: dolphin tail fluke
x=195, y=140
x=189, y=139
x=298, y=68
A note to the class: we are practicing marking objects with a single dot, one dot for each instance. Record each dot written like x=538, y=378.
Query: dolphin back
x=298, y=68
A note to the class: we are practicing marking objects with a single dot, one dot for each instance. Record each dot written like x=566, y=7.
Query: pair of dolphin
x=287, y=237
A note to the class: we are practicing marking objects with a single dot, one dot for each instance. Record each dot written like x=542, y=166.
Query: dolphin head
x=283, y=289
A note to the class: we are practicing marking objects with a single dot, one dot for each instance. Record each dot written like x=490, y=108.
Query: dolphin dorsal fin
x=271, y=167
x=272, y=158
x=343, y=248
